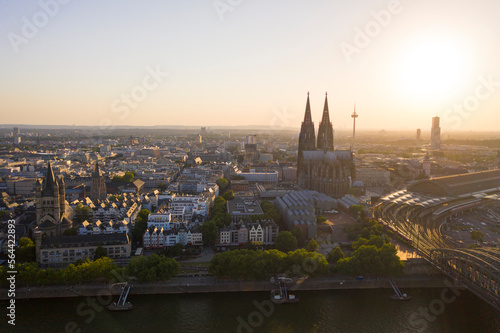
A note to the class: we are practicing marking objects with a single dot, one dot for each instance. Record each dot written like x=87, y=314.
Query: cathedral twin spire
x=325, y=130
x=307, y=139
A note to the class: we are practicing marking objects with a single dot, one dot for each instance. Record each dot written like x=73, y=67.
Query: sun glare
x=431, y=70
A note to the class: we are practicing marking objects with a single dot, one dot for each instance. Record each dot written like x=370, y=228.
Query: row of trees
x=141, y=224
x=152, y=268
x=270, y=213
x=220, y=218
x=260, y=265
x=373, y=254
x=29, y=274
x=364, y=229
x=372, y=260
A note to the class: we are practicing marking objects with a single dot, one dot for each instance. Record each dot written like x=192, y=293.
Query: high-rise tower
x=354, y=115
x=325, y=130
x=435, y=133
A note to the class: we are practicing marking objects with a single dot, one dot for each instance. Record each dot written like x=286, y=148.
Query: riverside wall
x=206, y=284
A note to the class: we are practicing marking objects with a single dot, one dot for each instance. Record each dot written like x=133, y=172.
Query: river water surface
x=346, y=311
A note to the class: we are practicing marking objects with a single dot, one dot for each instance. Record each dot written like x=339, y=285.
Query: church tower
x=325, y=131
x=307, y=138
x=98, y=186
x=51, y=205
x=320, y=167
x=48, y=197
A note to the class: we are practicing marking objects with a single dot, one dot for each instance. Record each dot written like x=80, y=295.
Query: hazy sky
x=237, y=62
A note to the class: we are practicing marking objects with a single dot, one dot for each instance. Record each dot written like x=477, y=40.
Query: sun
x=431, y=69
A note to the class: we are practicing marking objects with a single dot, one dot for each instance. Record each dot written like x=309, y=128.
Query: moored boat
x=281, y=295
x=121, y=304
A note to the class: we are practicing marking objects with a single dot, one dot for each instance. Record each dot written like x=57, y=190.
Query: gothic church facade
x=319, y=166
x=53, y=213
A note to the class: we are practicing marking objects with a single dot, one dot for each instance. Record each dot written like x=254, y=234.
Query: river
x=346, y=311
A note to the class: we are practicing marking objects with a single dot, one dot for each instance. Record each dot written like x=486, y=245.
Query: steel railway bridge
x=419, y=220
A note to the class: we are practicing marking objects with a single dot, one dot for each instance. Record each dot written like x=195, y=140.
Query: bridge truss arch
x=478, y=269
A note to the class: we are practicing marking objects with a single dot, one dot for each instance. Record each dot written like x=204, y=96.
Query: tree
x=126, y=178
x=299, y=234
x=70, y=232
x=477, y=235
x=3, y=277
x=312, y=246
x=219, y=212
x=82, y=213
x=378, y=241
x=301, y=262
x=270, y=212
x=370, y=260
x=285, y=241
x=140, y=226
x=209, y=232
x=358, y=211
x=25, y=251
x=153, y=268
x=143, y=215
x=100, y=252
x=223, y=185
x=229, y=195
x=260, y=265
x=162, y=187
x=320, y=219
x=335, y=255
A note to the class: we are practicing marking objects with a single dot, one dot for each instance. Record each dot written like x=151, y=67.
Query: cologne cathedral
x=319, y=166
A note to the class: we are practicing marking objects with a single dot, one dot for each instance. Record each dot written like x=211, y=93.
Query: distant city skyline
x=219, y=63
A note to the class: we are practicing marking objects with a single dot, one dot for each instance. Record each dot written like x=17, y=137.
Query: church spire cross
x=307, y=115
x=50, y=182
x=326, y=112
x=325, y=130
